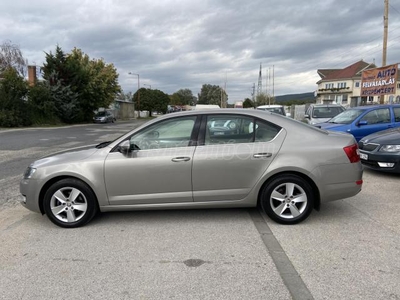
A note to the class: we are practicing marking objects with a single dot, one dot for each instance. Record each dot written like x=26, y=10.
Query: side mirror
x=362, y=122
x=306, y=116
x=124, y=147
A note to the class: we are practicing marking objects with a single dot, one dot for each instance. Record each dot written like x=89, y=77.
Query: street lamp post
x=138, y=92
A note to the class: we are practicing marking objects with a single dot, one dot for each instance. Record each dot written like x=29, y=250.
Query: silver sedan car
x=199, y=159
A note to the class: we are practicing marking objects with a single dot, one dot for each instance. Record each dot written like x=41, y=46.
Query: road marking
x=289, y=275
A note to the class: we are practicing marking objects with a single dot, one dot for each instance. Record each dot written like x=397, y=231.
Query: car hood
x=386, y=137
x=66, y=156
x=319, y=120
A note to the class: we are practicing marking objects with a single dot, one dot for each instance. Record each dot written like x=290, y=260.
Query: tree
x=151, y=100
x=13, y=106
x=264, y=99
x=247, y=103
x=212, y=94
x=11, y=57
x=183, y=97
x=43, y=108
x=80, y=85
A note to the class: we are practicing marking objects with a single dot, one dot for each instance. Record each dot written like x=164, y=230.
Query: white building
x=343, y=86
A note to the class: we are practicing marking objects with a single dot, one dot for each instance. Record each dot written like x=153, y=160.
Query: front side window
x=165, y=134
x=396, y=111
x=377, y=116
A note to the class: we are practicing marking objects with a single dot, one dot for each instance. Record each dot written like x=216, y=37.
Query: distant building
x=343, y=86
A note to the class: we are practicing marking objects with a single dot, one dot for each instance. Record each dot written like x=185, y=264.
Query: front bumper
x=374, y=158
x=30, y=194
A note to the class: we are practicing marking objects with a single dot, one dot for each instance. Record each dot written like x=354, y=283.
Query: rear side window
x=396, y=111
x=234, y=129
x=265, y=132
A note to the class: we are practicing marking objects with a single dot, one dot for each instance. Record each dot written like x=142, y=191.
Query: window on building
x=342, y=85
x=357, y=84
x=329, y=85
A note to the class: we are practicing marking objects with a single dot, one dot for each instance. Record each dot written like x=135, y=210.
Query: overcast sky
x=175, y=44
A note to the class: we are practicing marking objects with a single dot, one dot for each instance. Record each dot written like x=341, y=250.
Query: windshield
x=326, y=112
x=277, y=110
x=101, y=114
x=346, y=117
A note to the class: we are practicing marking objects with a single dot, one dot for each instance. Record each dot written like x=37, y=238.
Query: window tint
x=377, y=116
x=166, y=134
x=265, y=131
x=396, y=111
x=233, y=129
x=228, y=129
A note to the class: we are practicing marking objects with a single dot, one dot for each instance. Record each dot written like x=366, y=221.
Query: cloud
x=176, y=44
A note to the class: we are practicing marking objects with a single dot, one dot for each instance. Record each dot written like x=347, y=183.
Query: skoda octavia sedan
x=180, y=161
x=381, y=150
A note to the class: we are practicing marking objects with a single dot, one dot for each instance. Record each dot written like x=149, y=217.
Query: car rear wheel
x=287, y=199
x=70, y=203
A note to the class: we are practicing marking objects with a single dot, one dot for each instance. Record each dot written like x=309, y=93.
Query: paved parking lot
x=348, y=250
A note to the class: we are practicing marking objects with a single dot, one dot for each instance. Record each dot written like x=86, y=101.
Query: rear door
x=233, y=152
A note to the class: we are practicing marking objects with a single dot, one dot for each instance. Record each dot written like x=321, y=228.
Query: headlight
x=29, y=172
x=390, y=148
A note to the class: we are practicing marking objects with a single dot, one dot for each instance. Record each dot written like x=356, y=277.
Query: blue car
x=364, y=120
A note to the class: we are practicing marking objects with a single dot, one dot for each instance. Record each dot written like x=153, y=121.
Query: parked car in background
x=364, y=120
x=104, y=117
x=277, y=109
x=318, y=113
x=381, y=150
x=188, y=160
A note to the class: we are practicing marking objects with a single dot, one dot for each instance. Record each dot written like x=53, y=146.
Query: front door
x=157, y=169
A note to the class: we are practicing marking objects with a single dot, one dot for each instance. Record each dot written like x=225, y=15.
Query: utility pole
x=385, y=39
x=385, y=32
x=253, y=92
x=273, y=82
x=259, y=88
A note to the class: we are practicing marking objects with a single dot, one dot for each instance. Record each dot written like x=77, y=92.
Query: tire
x=287, y=199
x=70, y=203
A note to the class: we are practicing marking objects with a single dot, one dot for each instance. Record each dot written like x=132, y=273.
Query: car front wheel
x=287, y=199
x=70, y=203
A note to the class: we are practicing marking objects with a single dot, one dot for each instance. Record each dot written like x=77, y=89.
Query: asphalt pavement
x=348, y=250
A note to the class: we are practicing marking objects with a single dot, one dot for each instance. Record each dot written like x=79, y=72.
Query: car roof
x=326, y=105
x=269, y=106
x=368, y=107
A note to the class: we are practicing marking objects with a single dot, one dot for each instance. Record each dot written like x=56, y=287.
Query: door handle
x=262, y=155
x=179, y=159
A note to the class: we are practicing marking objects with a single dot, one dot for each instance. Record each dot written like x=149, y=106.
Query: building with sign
x=343, y=86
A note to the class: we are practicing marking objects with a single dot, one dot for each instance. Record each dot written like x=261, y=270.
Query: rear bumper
x=339, y=181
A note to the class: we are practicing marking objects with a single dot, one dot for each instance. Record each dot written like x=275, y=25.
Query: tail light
x=352, y=153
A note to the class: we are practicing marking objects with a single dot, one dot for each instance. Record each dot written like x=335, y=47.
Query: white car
x=278, y=109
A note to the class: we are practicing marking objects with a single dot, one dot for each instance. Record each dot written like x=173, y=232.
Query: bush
x=13, y=106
